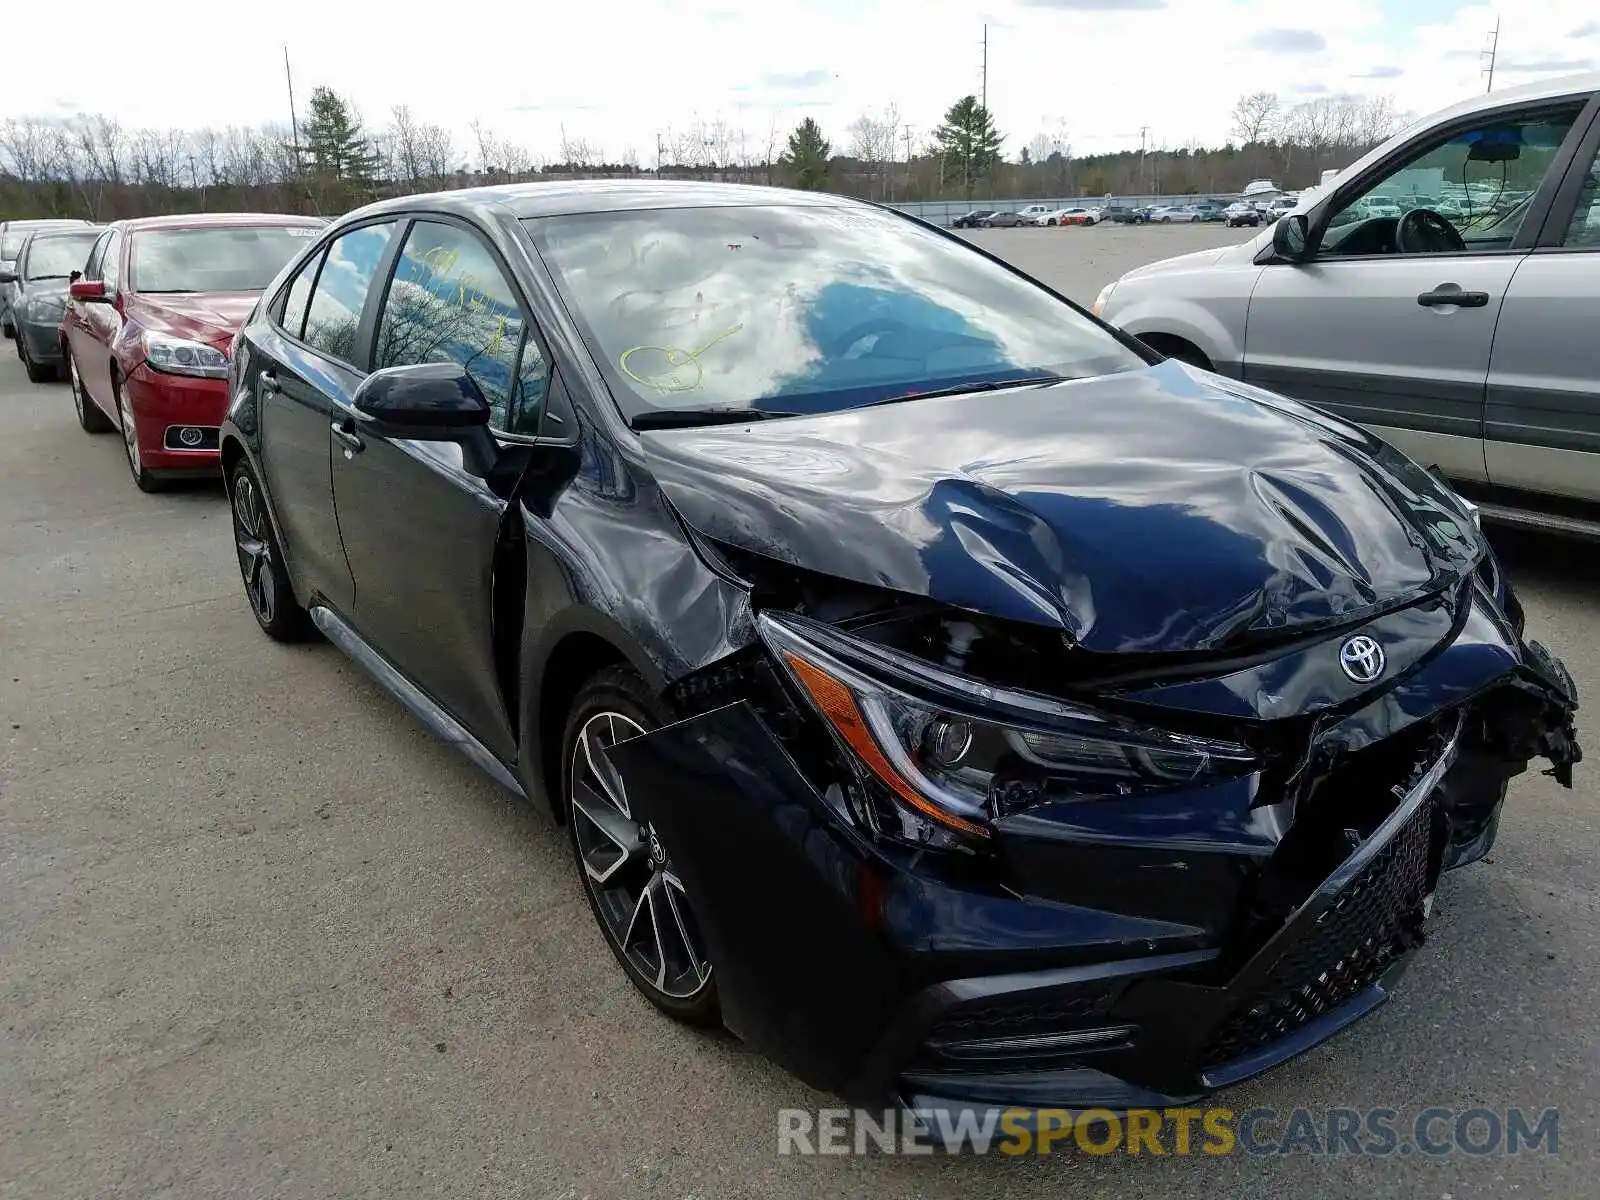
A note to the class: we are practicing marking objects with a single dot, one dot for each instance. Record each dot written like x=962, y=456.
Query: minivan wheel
x=90, y=418
x=266, y=583
x=637, y=897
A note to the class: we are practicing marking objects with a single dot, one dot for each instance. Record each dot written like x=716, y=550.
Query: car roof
x=206, y=220
x=561, y=198
x=1544, y=89
x=46, y=223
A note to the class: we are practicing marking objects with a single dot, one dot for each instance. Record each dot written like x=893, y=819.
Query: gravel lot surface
x=261, y=936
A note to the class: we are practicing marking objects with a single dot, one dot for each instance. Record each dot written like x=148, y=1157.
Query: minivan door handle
x=1451, y=293
x=269, y=383
x=345, y=430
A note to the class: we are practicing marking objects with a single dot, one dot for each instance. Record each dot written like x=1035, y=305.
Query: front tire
x=90, y=418
x=266, y=582
x=636, y=896
x=142, y=478
x=37, y=372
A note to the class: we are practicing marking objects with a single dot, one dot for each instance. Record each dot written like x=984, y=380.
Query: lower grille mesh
x=1374, y=921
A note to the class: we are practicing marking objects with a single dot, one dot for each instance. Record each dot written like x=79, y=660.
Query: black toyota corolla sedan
x=951, y=697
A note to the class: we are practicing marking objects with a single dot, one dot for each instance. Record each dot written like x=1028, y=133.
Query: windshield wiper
x=689, y=418
x=961, y=389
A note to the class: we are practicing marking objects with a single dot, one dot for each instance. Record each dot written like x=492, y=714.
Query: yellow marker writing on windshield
x=673, y=358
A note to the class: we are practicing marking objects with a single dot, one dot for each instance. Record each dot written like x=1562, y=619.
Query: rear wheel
x=634, y=891
x=266, y=583
x=90, y=418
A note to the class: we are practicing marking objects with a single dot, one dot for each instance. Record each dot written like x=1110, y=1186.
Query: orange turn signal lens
x=838, y=704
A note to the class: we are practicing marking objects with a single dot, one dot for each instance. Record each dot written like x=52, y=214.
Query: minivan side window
x=333, y=315
x=1480, y=182
x=450, y=302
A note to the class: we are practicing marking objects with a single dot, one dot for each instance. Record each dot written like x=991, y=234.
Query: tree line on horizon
x=91, y=166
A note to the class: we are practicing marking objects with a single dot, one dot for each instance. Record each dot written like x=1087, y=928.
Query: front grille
x=1372, y=923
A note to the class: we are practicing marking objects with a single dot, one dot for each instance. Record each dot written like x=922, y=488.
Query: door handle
x=269, y=383
x=1450, y=293
x=345, y=431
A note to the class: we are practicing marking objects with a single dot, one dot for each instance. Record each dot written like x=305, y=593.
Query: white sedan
x=1178, y=213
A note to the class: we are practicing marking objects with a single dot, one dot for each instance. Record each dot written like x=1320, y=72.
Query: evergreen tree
x=335, y=144
x=969, y=142
x=807, y=156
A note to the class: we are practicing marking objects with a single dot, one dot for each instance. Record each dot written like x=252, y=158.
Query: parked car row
x=140, y=315
x=862, y=689
x=1123, y=214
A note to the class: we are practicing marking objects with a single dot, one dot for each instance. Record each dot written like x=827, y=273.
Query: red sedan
x=150, y=322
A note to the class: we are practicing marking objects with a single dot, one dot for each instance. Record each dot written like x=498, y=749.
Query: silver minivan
x=1443, y=291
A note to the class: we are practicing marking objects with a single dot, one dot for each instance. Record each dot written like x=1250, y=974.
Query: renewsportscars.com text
x=1259, y=1132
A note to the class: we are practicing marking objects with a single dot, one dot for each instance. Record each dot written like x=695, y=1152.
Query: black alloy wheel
x=636, y=895
x=266, y=584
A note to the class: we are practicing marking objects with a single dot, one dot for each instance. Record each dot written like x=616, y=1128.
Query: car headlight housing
x=180, y=356
x=942, y=756
x=1104, y=298
x=47, y=307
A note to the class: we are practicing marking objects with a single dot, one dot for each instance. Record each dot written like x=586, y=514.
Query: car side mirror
x=8, y=276
x=74, y=277
x=90, y=291
x=424, y=401
x=1290, y=237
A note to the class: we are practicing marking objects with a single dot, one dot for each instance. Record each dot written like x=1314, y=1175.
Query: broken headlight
x=951, y=754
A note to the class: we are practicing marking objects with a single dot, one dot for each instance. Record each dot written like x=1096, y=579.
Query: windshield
x=58, y=256
x=803, y=309
x=230, y=258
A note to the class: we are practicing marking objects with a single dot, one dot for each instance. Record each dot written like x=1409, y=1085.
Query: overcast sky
x=618, y=72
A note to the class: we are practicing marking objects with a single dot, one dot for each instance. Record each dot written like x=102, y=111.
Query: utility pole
x=1494, y=47
x=294, y=121
x=984, y=99
x=1143, y=181
x=659, y=149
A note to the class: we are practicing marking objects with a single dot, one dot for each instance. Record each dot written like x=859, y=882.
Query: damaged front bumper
x=1135, y=951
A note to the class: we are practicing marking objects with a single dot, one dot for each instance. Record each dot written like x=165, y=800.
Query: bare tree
x=1255, y=116
x=405, y=139
x=579, y=152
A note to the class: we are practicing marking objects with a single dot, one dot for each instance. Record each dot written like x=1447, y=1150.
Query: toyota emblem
x=1362, y=658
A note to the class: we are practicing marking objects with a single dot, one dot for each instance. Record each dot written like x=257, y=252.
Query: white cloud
x=619, y=72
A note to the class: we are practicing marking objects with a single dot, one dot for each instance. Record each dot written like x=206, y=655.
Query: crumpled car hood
x=1158, y=510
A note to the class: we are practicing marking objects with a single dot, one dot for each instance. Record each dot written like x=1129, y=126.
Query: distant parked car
x=970, y=220
x=1124, y=214
x=1178, y=214
x=1239, y=213
x=149, y=329
x=12, y=234
x=1076, y=216
x=38, y=286
x=1035, y=214
x=1210, y=210
x=1004, y=220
